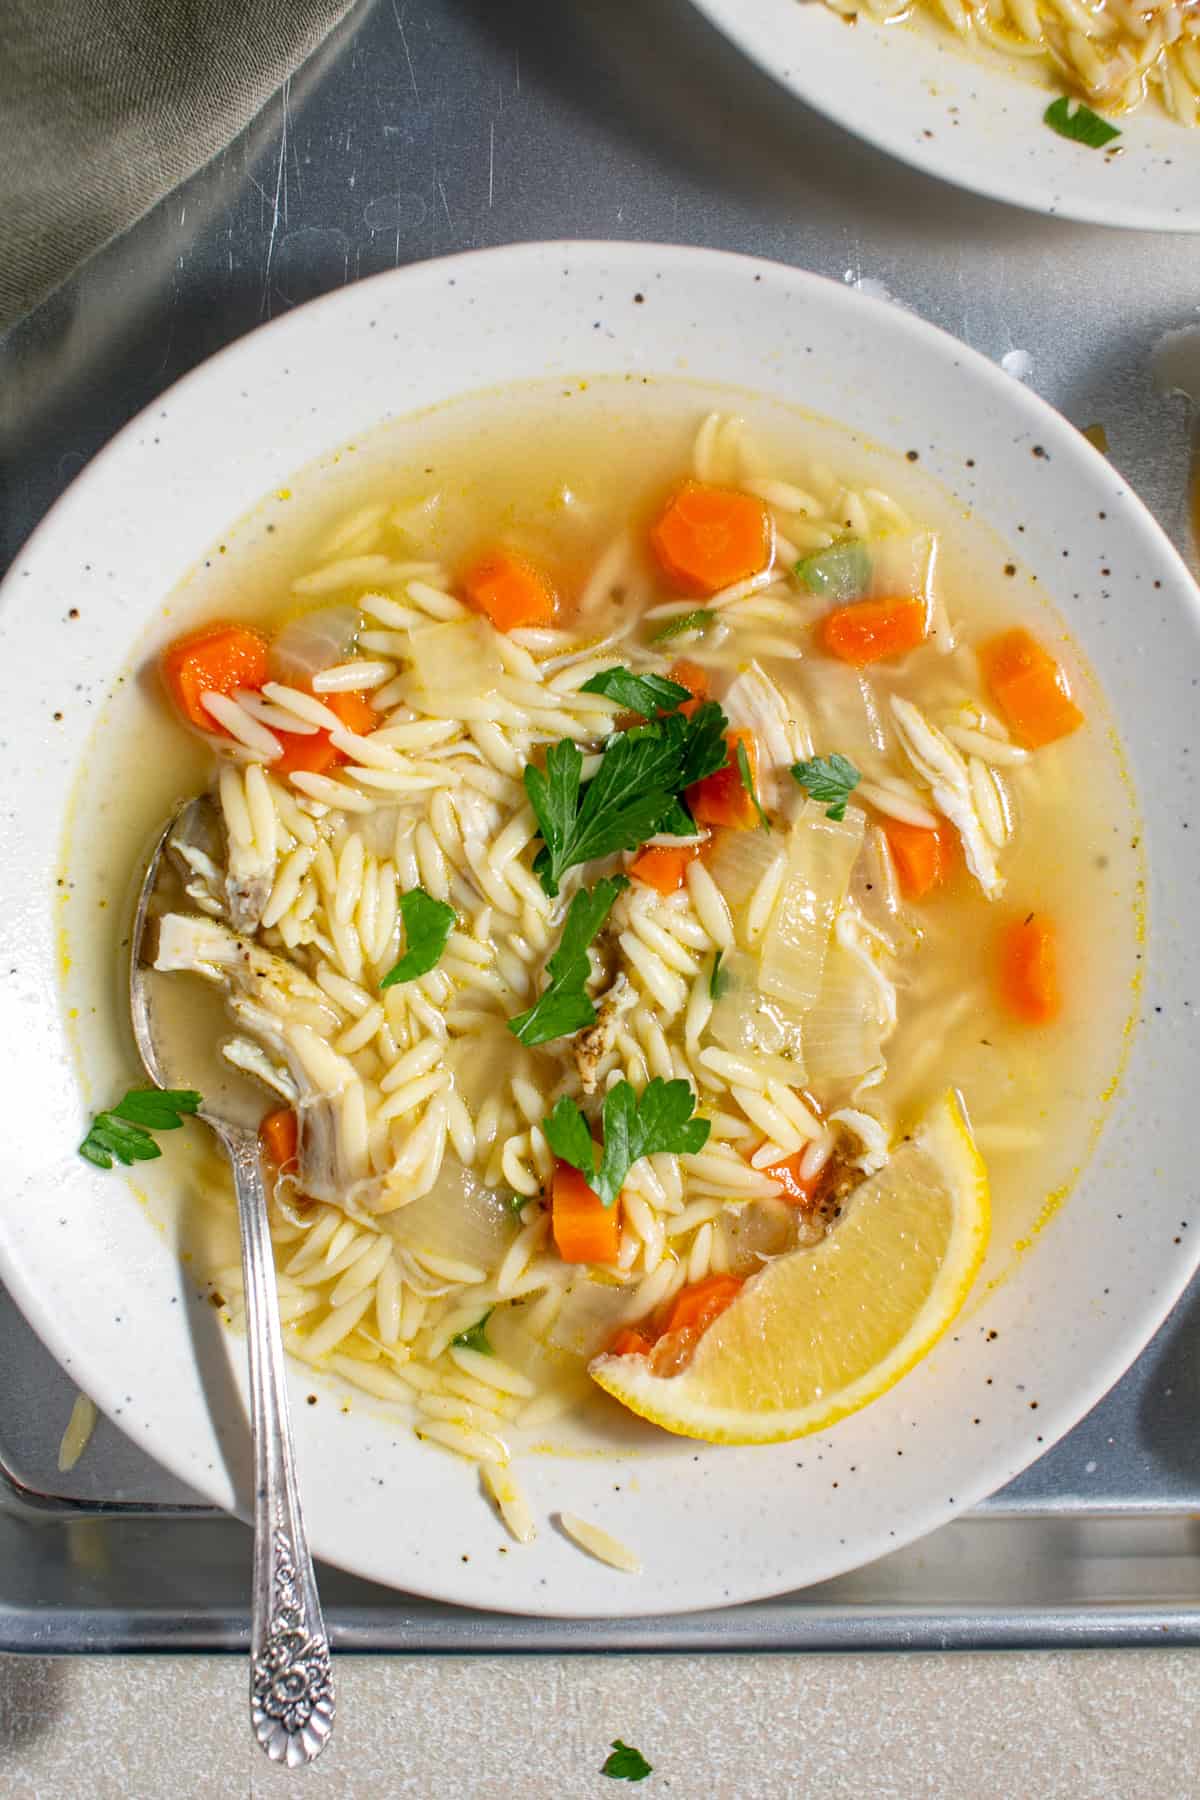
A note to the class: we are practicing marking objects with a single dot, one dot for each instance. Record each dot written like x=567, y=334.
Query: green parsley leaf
x=634, y=790
x=124, y=1131
x=427, y=927
x=743, y=763
x=839, y=573
x=704, y=747
x=831, y=779
x=662, y=1120
x=644, y=694
x=699, y=620
x=517, y=1204
x=717, y=982
x=565, y=1006
x=569, y=1136
x=624, y=1763
x=677, y=821
x=475, y=1336
x=1082, y=126
x=619, y=808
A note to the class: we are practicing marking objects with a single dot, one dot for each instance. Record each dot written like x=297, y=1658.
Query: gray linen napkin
x=105, y=105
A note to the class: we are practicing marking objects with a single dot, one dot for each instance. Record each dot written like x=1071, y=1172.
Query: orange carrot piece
x=922, y=857
x=706, y=538
x=867, y=630
x=1029, y=687
x=629, y=1342
x=695, y=679
x=214, y=660
x=691, y=676
x=279, y=1135
x=585, y=1230
x=664, y=866
x=696, y=1307
x=314, y=754
x=721, y=799
x=798, y=1189
x=510, y=590
x=1028, y=970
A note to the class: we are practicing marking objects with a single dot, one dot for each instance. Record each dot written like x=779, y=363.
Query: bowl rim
x=599, y=257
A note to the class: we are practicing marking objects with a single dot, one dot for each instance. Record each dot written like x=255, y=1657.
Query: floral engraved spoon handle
x=291, y=1682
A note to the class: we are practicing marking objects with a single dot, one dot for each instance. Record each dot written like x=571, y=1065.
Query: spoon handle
x=291, y=1683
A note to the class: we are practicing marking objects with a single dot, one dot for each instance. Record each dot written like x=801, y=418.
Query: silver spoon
x=291, y=1683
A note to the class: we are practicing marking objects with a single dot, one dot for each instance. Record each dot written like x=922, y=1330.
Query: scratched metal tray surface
x=425, y=127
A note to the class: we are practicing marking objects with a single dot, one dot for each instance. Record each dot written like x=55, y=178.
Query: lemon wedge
x=820, y=1333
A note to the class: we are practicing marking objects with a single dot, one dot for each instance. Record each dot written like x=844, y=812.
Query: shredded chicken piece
x=754, y=703
x=591, y=1045
x=937, y=761
x=248, y=886
x=872, y=1136
x=291, y=1019
x=868, y=945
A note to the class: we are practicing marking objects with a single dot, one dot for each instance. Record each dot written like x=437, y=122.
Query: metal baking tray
x=422, y=129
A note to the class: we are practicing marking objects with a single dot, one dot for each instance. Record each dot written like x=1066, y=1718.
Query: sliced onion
x=552, y=1371
x=821, y=856
x=745, y=1020
x=844, y=712
x=312, y=642
x=758, y=1229
x=738, y=864
x=458, y=1217
x=902, y=567
x=843, y=1032
x=482, y=1063
x=455, y=666
x=591, y=1313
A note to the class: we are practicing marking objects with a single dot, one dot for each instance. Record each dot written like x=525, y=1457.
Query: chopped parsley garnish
x=1082, y=126
x=828, y=779
x=633, y=794
x=699, y=620
x=743, y=763
x=427, y=927
x=704, y=747
x=624, y=1763
x=475, y=1336
x=566, y=1006
x=717, y=982
x=662, y=1120
x=124, y=1131
x=839, y=573
x=644, y=694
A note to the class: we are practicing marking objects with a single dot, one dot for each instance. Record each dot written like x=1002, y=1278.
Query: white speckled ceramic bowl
x=100, y=1279
x=921, y=97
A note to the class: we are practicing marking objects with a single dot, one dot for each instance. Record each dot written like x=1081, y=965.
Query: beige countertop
x=1083, y=1725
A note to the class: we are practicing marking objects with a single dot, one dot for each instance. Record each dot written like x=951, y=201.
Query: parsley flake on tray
x=625, y=1763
